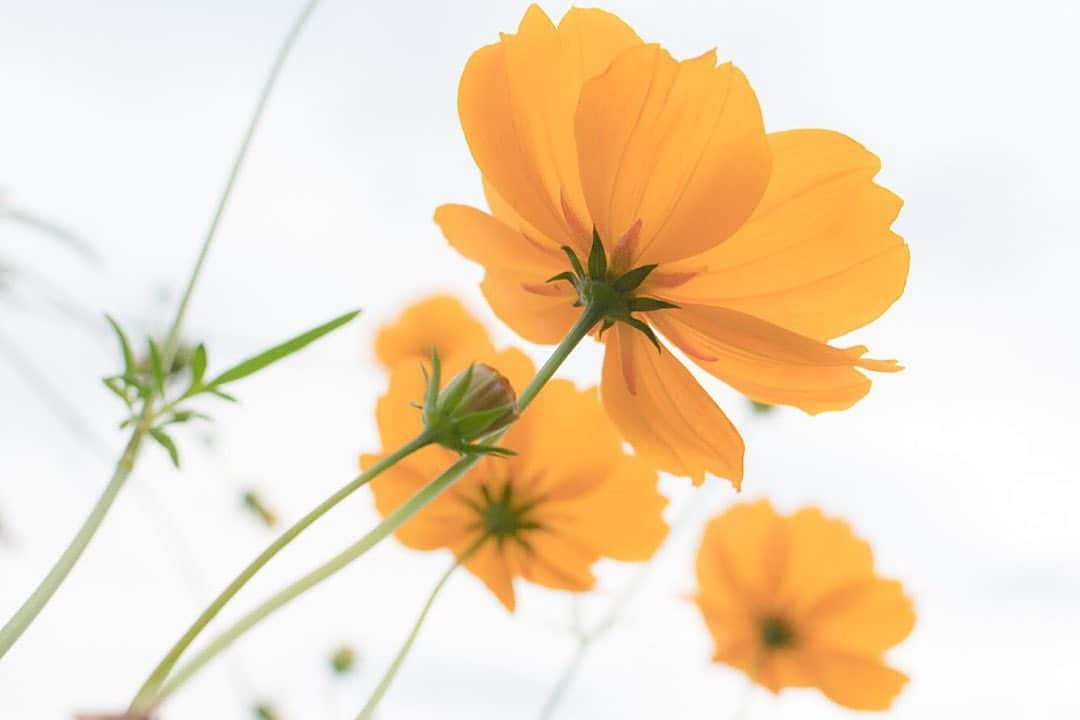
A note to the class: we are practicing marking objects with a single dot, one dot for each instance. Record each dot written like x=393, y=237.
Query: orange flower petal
x=867, y=617
x=860, y=683
x=442, y=522
x=542, y=319
x=440, y=322
x=768, y=363
x=817, y=256
x=517, y=100
x=496, y=245
x=741, y=561
x=620, y=517
x=664, y=413
x=514, y=266
x=679, y=146
x=557, y=561
x=491, y=565
x=781, y=669
x=823, y=556
x=556, y=459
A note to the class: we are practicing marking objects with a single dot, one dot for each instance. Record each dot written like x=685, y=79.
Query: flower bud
x=476, y=403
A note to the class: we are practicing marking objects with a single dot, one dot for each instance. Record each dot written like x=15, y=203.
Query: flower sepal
x=477, y=402
x=599, y=285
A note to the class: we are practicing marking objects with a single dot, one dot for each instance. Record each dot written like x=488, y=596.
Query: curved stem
x=389, y=524
x=154, y=682
x=172, y=340
x=391, y=672
x=33, y=605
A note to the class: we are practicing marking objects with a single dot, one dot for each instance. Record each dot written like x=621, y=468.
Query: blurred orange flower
x=439, y=323
x=570, y=496
x=769, y=244
x=793, y=601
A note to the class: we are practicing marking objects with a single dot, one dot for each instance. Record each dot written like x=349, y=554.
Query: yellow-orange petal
x=818, y=255
x=857, y=682
x=556, y=460
x=620, y=517
x=768, y=363
x=664, y=413
x=443, y=522
x=496, y=245
x=679, y=146
x=868, y=617
x=517, y=100
x=490, y=563
x=441, y=323
x=823, y=556
x=540, y=318
x=741, y=561
x=556, y=560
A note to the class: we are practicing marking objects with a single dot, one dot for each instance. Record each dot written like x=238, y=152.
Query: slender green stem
x=585, y=323
x=149, y=690
x=172, y=340
x=389, y=524
x=585, y=639
x=391, y=672
x=567, y=676
x=33, y=605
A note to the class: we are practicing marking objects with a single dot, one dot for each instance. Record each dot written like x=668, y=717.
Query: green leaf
x=182, y=416
x=574, y=262
x=456, y=390
x=597, y=257
x=477, y=423
x=254, y=364
x=125, y=348
x=633, y=278
x=431, y=386
x=113, y=384
x=488, y=450
x=166, y=442
x=567, y=276
x=646, y=330
x=198, y=365
x=221, y=394
x=156, y=368
x=648, y=304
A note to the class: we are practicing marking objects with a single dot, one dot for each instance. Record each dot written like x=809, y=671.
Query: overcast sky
x=119, y=120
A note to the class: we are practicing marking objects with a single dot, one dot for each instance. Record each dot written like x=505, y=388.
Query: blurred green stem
x=172, y=340
x=391, y=672
x=389, y=524
x=33, y=605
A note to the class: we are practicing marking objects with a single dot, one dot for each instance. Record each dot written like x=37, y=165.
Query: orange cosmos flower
x=438, y=323
x=746, y=250
x=793, y=601
x=547, y=514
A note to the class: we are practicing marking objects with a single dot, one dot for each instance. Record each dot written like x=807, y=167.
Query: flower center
x=776, y=633
x=503, y=516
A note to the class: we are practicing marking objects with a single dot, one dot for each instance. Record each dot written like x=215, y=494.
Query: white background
x=118, y=120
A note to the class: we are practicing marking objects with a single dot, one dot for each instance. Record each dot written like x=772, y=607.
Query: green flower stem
x=368, y=710
x=389, y=524
x=34, y=604
x=149, y=689
x=172, y=340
